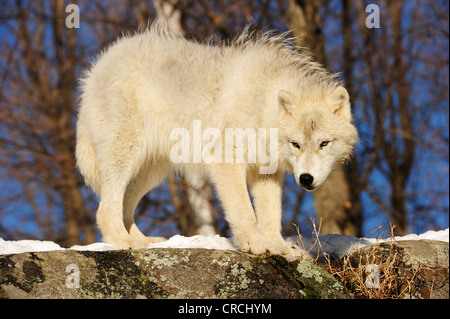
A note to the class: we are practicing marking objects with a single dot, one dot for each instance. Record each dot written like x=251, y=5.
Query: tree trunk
x=402, y=160
x=195, y=213
x=353, y=179
x=332, y=200
x=77, y=220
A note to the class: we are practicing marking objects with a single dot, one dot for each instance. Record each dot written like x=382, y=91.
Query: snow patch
x=197, y=241
x=20, y=246
x=339, y=245
x=335, y=245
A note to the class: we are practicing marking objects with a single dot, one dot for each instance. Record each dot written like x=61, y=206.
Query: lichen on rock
x=205, y=273
x=152, y=273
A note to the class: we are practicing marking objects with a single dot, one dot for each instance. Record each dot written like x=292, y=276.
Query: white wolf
x=146, y=85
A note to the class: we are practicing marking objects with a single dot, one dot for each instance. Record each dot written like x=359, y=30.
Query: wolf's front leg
x=231, y=186
x=267, y=194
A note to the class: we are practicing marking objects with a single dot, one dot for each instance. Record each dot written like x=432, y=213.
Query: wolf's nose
x=306, y=180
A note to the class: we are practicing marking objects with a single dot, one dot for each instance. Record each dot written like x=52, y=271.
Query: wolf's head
x=314, y=134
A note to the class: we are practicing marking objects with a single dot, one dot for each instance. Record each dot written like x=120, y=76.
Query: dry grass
x=371, y=273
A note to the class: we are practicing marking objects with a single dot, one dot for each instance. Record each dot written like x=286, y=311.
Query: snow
x=334, y=245
x=20, y=246
x=198, y=241
x=339, y=245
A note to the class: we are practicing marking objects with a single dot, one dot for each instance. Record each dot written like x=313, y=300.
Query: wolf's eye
x=324, y=143
x=295, y=144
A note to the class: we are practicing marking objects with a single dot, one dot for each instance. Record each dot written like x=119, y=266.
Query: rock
x=405, y=269
x=162, y=273
x=398, y=269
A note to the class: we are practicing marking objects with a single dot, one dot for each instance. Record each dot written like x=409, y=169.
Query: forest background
x=392, y=55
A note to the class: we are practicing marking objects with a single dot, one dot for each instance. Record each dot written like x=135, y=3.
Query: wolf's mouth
x=309, y=188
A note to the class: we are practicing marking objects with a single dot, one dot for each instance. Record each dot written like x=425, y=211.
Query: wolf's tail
x=87, y=158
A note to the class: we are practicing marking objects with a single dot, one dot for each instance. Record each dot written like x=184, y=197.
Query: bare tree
x=195, y=213
x=398, y=105
x=38, y=141
x=332, y=199
x=397, y=77
x=400, y=159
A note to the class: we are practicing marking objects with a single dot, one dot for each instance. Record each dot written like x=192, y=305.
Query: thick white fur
x=145, y=85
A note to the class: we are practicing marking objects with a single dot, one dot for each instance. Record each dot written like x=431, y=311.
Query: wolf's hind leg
x=150, y=175
x=118, y=163
x=110, y=219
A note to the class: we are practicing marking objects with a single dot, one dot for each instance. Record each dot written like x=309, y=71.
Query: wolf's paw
x=152, y=240
x=133, y=243
x=251, y=242
x=297, y=253
x=144, y=242
x=270, y=247
x=259, y=244
x=284, y=249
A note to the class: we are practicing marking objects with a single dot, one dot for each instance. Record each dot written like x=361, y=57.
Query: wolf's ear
x=286, y=101
x=339, y=101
